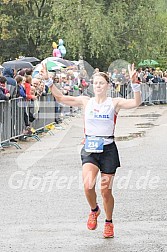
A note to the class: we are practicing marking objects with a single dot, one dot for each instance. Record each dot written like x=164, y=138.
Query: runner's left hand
x=132, y=73
x=44, y=72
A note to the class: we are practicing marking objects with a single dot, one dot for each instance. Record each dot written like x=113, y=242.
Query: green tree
x=99, y=30
x=25, y=26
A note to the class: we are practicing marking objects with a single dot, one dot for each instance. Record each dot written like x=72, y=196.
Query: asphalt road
x=43, y=207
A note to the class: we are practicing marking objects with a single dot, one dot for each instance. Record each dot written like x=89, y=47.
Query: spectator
x=28, y=71
x=4, y=93
x=41, y=89
x=115, y=74
x=20, y=88
x=165, y=77
x=29, y=109
x=27, y=85
x=22, y=72
x=96, y=70
x=36, y=82
x=8, y=73
x=32, y=90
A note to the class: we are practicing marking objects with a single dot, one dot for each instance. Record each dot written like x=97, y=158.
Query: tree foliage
x=99, y=30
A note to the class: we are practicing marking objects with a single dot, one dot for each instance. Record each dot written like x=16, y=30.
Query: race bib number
x=94, y=144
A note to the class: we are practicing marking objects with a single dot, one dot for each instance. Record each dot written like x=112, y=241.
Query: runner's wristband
x=136, y=87
x=49, y=82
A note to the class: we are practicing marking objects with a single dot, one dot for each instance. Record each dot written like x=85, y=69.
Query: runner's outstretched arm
x=78, y=101
x=122, y=103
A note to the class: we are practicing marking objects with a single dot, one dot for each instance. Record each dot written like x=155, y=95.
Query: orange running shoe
x=92, y=220
x=108, y=230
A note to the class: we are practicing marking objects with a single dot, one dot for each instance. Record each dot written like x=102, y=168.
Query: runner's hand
x=133, y=73
x=44, y=72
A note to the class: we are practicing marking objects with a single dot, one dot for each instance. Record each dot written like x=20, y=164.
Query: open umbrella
x=52, y=64
x=63, y=61
x=67, y=63
x=17, y=64
x=148, y=63
x=30, y=59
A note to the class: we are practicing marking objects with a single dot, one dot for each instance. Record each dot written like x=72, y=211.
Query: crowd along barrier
x=12, y=123
x=152, y=93
x=5, y=117
x=46, y=112
x=11, y=120
x=12, y=112
x=64, y=110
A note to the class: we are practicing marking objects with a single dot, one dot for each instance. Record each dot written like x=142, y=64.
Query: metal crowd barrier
x=65, y=110
x=157, y=93
x=12, y=123
x=5, y=125
x=152, y=93
x=11, y=120
x=46, y=114
x=12, y=112
x=17, y=117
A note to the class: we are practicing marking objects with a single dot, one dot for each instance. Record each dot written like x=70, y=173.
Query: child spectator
x=27, y=85
x=20, y=88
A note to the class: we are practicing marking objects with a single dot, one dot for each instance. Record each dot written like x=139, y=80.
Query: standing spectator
x=123, y=78
x=4, y=93
x=28, y=113
x=36, y=82
x=41, y=89
x=27, y=85
x=96, y=70
x=20, y=88
x=8, y=73
x=114, y=74
x=165, y=77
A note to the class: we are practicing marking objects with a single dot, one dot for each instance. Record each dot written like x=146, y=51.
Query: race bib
x=94, y=144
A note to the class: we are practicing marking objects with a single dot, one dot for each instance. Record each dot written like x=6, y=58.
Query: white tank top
x=100, y=119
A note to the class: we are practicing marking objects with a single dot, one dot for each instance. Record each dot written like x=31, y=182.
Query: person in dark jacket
x=8, y=73
x=4, y=93
x=20, y=89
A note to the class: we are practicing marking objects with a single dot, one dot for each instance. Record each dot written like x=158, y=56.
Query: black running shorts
x=107, y=161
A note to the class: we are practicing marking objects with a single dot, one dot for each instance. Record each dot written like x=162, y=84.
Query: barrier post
x=0, y=135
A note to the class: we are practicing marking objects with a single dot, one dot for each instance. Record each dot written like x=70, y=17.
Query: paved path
x=43, y=207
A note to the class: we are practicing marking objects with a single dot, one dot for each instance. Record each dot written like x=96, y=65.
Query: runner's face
x=100, y=85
